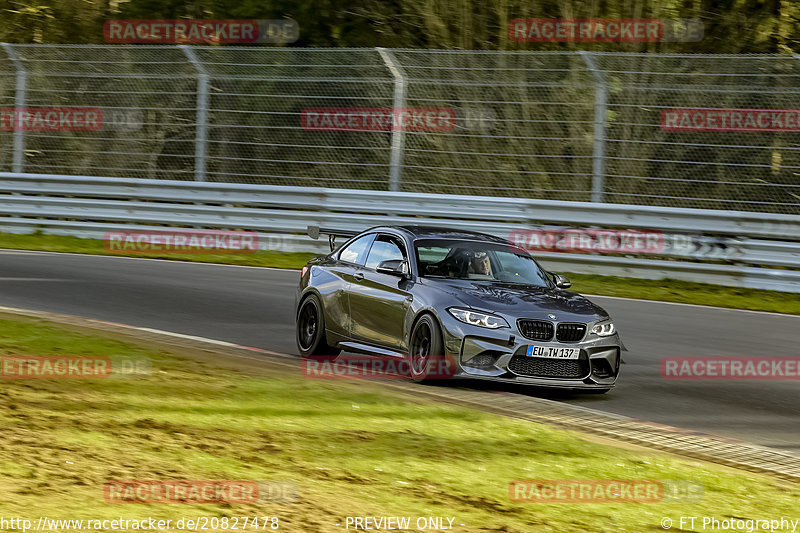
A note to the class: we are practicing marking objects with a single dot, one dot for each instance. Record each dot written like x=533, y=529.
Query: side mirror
x=560, y=280
x=395, y=267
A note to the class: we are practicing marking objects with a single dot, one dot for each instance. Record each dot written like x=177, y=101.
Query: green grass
x=666, y=290
x=76, y=245
x=670, y=290
x=352, y=448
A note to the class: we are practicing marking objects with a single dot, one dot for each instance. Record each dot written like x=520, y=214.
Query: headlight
x=474, y=318
x=603, y=329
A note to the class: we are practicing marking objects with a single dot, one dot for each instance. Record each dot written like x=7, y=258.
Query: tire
x=425, y=350
x=310, y=329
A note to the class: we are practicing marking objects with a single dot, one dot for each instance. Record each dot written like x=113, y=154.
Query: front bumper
x=500, y=355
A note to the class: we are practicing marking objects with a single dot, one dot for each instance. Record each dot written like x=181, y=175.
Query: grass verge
x=352, y=448
x=687, y=292
x=77, y=245
x=664, y=290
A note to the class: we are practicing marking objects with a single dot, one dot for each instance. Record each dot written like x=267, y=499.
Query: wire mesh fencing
x=715, y=132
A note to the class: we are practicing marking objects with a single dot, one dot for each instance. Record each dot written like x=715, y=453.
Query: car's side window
x=356, y=251
x=385, y=248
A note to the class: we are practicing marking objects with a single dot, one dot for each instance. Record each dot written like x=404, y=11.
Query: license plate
x=552, y=352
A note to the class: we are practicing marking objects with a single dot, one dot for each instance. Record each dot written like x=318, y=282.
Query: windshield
x=478, y=260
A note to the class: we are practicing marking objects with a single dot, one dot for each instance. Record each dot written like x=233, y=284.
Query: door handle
x=358, y=276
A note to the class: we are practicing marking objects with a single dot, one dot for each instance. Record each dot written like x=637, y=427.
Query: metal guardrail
x=745, y=249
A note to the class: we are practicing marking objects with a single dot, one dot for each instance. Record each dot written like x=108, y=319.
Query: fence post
x=201, y=134
x=399, y=102
x=600, y=116
x=18, y=160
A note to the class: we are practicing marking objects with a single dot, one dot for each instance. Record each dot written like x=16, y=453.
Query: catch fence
x=688, y=131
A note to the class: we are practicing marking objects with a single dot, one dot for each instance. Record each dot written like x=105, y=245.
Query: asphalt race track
x=253, y=307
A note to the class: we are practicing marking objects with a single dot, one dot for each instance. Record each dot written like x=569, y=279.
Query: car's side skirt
x=358, y=347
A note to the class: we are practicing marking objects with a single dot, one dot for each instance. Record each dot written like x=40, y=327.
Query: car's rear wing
x=315, y=231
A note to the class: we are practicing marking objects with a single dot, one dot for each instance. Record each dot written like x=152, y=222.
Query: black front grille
x=570, y=332
x=537, y=330
x=543, y=367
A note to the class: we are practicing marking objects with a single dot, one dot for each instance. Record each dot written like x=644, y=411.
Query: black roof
x=432, y=232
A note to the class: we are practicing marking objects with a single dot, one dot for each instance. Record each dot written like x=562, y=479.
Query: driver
x=479, y=266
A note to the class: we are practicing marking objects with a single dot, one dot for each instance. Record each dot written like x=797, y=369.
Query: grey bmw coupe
x=421, y=294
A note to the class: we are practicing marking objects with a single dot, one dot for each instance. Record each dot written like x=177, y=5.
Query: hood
x=521, y=301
